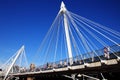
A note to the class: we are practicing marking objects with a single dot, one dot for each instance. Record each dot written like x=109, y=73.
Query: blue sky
x=25, y=22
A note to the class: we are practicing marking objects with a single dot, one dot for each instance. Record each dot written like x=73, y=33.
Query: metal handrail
x=78, y=60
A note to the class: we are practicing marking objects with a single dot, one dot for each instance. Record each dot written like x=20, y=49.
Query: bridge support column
x=67, y=34
x=29, y=78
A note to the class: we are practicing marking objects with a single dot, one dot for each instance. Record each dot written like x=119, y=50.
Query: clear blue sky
x=25, y=22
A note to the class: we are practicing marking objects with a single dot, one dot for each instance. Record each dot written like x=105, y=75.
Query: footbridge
x=74, y=48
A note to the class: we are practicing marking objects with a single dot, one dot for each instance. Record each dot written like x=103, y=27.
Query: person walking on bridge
x=107, y=52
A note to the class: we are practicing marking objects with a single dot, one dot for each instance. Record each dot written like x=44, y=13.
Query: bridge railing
x=90, y=57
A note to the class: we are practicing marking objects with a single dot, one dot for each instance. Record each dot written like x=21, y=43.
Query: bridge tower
x=66, y=26
x=19, y=52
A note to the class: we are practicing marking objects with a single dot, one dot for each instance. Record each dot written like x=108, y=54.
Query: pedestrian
x=106, y=52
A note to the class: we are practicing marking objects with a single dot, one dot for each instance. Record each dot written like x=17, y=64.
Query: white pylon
x=14, y=60
x=63, y=11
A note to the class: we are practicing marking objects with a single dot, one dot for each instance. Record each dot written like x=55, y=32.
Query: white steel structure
x=21, y=50
x=71, y=35
x=81, y=39
x=63, y=11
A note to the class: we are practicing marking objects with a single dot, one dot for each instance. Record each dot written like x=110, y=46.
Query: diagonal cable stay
x=83, y=38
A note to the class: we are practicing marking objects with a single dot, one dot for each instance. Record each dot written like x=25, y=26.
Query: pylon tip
x=62, y=4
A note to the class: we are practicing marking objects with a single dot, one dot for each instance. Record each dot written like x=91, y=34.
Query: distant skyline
x=26, y=22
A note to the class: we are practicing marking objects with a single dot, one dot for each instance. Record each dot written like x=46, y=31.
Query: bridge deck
x=109, y=65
